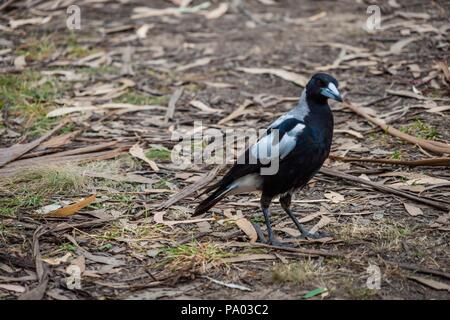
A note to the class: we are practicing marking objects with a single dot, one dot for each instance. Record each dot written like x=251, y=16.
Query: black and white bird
x=299, y=141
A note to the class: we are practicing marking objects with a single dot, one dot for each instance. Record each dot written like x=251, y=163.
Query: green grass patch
x=421, y=129
x=192, y=255
x=139, y=98
x=30, y=96
x=75, y=50
x=37, y=49
x=158, y=153
x=33, y=188
x=396, y=155
x=10, y=205
x=67, y=247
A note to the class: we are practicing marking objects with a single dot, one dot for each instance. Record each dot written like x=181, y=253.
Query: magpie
x=299, y=141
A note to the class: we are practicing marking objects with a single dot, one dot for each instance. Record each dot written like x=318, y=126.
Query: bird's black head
x=322, y=86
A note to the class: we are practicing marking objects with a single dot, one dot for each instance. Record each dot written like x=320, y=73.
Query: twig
x=421, y=269
x=6, y=4
x=12, y=153
x=310, y=252
x=412, y=163
x=429, y=145
x=172, y=103
x=383, y=188
x=229, y=285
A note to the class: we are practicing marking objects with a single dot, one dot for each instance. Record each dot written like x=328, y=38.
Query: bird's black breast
x=311, y=150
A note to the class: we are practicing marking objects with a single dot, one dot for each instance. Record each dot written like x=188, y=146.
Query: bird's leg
x=285, y=202
x=259, y=232
x=265, y=203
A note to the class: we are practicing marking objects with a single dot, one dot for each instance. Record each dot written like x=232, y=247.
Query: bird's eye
x=320, y=83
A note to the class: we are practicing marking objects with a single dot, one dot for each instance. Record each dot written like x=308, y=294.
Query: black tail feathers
x=209, y=202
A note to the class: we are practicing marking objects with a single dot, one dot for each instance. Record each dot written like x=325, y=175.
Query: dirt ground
x=123, y=80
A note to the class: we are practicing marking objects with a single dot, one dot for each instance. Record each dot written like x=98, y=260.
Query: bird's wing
x=280, y=139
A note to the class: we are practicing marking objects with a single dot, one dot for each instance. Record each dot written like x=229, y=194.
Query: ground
x=133, y=81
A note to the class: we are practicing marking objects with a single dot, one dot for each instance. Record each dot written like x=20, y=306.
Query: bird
x=298, y=142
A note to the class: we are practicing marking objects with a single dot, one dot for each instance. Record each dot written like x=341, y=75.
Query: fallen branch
x=16, y=151
x=429, y=145
x=422, y=270
x=383, y=188
x=411, y=163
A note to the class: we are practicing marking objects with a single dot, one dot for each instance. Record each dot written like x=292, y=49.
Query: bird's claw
x=315, y=235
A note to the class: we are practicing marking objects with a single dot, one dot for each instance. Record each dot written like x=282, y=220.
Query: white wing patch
x=287, y=143
x=269, y=147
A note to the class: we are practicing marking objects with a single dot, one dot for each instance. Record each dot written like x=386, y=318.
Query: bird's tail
x=209, y=202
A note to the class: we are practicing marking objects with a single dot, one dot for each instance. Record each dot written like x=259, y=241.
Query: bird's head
x=322, y=86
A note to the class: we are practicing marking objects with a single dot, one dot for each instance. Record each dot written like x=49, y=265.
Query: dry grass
x=299, y=272
x=193, y=256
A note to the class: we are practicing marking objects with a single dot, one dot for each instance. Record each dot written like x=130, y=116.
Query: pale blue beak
x=331, y=92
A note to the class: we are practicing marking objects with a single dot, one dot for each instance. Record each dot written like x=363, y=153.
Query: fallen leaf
x=431, y=283
x=19, y=62
x=397, y=47
x=124, y=107
x=290, y=231
x=12, y=287
x=145, y=12
x=315, y=292
x=217, y=12
x=66, y=75
x=438, y=109
x=14, y=24
x=412, y=210
x=37, y=293
x=200, y=105
x=248, y=229
x=48, y=208
x=334, y=196
x=322, y=223
x=73, y=208
x=284, y=74
x=197, y=63
x=158, y=218
x=408, y=94
x=236, y=113
x=17, y=150
x=80, y=262
x=143, y=30
x=59, y=260
x=138, y=152
x=204, y=226
x=229, y=285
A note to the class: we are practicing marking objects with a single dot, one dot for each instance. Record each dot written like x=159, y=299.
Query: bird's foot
x=272, y=241
x=314, y=235
x=277, y=243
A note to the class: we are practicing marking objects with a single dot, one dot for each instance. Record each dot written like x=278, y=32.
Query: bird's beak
x=331, y=92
